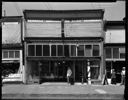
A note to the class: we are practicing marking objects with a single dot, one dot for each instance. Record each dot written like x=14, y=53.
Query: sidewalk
x=62, y=91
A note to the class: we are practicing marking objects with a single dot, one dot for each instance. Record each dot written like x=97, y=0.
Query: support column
x=21, y=66
x=89, y=72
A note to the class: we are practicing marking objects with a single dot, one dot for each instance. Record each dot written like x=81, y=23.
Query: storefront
x=52, y=44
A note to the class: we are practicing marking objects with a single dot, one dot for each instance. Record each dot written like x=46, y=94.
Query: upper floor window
x=115, y=52
x=10, y=54
x=108, y=53
x=122, y=52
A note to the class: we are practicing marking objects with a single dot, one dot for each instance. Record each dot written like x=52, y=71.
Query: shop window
x=95, y=69
x=11, y=54
x=73, y=50
x=115, y=52
x=122, y=52
x=95, y=50
x=38, y=50
x=108, y=53
x=5, y=54
x=81, y=50
x=46, y=50
x=17, y=54
x=60, y=50
x=88, y=50
x=66, y=50
x=53, y=50
x=31, y=50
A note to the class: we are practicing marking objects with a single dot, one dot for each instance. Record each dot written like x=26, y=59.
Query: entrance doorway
x=80, y=71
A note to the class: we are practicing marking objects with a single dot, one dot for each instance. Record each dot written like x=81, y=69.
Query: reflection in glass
x=46, y=50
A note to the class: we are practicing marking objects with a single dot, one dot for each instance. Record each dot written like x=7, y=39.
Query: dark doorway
x=80, y=71
x=118, y=65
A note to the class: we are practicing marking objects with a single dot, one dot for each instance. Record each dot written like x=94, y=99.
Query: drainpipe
x=89, y=72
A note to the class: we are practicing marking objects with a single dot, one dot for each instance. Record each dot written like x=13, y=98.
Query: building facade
x=115, y=48
x=12, y=45
x=55, y=40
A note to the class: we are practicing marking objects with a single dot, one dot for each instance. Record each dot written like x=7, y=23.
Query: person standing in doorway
x=69, y=73
x=113, y=77
x=123, y=76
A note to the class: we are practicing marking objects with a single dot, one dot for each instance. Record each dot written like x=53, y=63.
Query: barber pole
x=89, y=72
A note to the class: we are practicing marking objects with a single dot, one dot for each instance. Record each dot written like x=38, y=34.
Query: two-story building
x=12, y=50
x=57, y=39
x=115, y=48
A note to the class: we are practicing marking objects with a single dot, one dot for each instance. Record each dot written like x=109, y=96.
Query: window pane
x=95, y=50
x=11, y=54
x=88, y=50
x=81, y=50
x=108, y=53
x=53, y=50
x=46, y=50
x=122, y=52
x=73, y=50
x=31, y=50
x=17, y=54
x=66, y=50
x=60, y=50
x=38, y=50
x=5, y=54
x=115, y=52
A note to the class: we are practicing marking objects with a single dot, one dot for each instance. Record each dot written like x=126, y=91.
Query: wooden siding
x=11, y=33
x=43, y=29
x=71, y=29
x=83, y=29
x=115, y=36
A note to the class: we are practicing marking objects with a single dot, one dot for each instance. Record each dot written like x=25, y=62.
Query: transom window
x=74, y=50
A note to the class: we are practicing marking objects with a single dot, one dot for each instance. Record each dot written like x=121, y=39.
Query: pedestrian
x=69, y=73
x=113, y=77
x=123, y=76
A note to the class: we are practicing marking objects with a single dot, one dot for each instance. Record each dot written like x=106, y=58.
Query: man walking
x=69, y=73
x=123, y=76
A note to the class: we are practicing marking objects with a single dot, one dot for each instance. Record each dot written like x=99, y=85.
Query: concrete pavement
x=62, y=91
